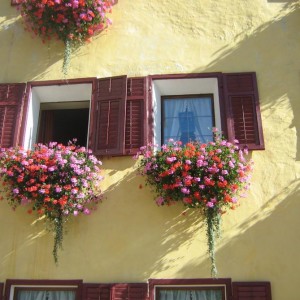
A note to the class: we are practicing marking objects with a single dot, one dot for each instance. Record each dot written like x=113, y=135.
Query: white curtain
x=187, y=119
x=46, y=295
x=190, y=295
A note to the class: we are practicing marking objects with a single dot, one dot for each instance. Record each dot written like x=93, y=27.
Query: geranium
x=208, y=176
x=72, y=21
x=54, y=180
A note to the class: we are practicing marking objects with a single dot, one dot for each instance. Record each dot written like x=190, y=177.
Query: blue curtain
x=187, y=119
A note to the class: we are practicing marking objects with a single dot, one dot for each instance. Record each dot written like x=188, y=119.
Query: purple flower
x=185, y=190
x=159, y=201
x=210, y=204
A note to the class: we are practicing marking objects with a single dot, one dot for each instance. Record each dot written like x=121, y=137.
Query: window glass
x=189, y=294
x=187, y=118
x=45, y=295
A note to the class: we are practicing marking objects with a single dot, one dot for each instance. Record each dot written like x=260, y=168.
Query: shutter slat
x=130, y=291
x=11, y=103
x=136, y=125
x=1, y=290
x=109, y=101
x=251, y=291
x=92, y=291
x=242, y=110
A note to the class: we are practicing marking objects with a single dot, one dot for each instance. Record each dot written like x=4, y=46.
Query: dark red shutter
x=242, y=110
x=130, y=291
x=136, y=124
x=108, y=116
x=11, y=101
x=251, y=291
x=1, y=290
x=96, y=291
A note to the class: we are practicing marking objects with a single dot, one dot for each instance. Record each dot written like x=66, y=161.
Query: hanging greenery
x=208, y=177
x=73, y=22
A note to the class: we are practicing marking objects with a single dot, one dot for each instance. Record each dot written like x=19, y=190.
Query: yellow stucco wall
x=129, y=238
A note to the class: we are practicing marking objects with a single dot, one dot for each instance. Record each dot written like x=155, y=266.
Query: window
x=43, y=289
x=58, y=112
x=187, y=118
x=190, y=289
x=117, y=115
x=184, y=108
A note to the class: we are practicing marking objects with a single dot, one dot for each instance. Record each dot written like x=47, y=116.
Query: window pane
x=187, y=119
x=183, y=294
x=45, y=295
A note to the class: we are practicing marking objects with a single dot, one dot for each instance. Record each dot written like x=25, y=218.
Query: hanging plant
x=208, y=177
x=73, y=22
x=55, y=181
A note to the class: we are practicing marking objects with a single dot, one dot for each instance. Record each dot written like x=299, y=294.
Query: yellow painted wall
x=129, y=238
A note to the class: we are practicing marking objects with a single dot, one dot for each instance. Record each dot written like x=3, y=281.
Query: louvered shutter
x=108, y=116
x=1, y=290
x=242, y=110
x=251, y=291
x=11, y=101
x=130, y=291
x=96, y=291
x=136, y=124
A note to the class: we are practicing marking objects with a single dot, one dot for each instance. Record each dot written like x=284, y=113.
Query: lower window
x=190, y=289
x=43, y=289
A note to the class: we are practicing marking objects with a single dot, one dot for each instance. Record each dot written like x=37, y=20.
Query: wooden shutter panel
x=11, y=101
x=1, y=290
x=96, y=291
x=136, y=125
x=242, y=110
x=251, y=291
x=108, y=110
x=130, y=291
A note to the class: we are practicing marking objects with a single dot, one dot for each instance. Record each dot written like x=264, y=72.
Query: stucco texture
x=129, y=238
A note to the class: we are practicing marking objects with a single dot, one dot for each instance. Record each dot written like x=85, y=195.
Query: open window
x=43, y=289
x=58, y=112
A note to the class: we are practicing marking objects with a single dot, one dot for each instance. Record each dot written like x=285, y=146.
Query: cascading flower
x=72, y=21
x=208, y=176
x=47, y=180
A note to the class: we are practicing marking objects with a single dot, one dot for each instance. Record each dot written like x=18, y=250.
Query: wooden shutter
x=108, y=116
x=1, y=290
x=251, y=291
x=92, y=291
x=130, y=291
x=136, y=124
x=11, y=101
x=242, y=110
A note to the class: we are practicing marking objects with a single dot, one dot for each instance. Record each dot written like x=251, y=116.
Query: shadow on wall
x=272, y=51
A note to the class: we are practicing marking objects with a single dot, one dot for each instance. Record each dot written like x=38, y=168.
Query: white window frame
x=56, y=93
x=182, y=86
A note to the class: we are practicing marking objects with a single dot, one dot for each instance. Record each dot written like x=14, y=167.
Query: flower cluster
x=56, y=181
x=207, y=176
x=71, y=21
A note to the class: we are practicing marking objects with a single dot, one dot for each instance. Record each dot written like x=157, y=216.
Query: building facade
x=230, y=52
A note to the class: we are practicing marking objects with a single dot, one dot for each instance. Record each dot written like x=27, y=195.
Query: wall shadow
x=270, y=50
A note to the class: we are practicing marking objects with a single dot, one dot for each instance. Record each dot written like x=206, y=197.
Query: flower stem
x=58, y=238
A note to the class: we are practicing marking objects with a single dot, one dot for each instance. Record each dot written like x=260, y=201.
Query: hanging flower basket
x=73, y=22
x=208, y=177
x=55, y=181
